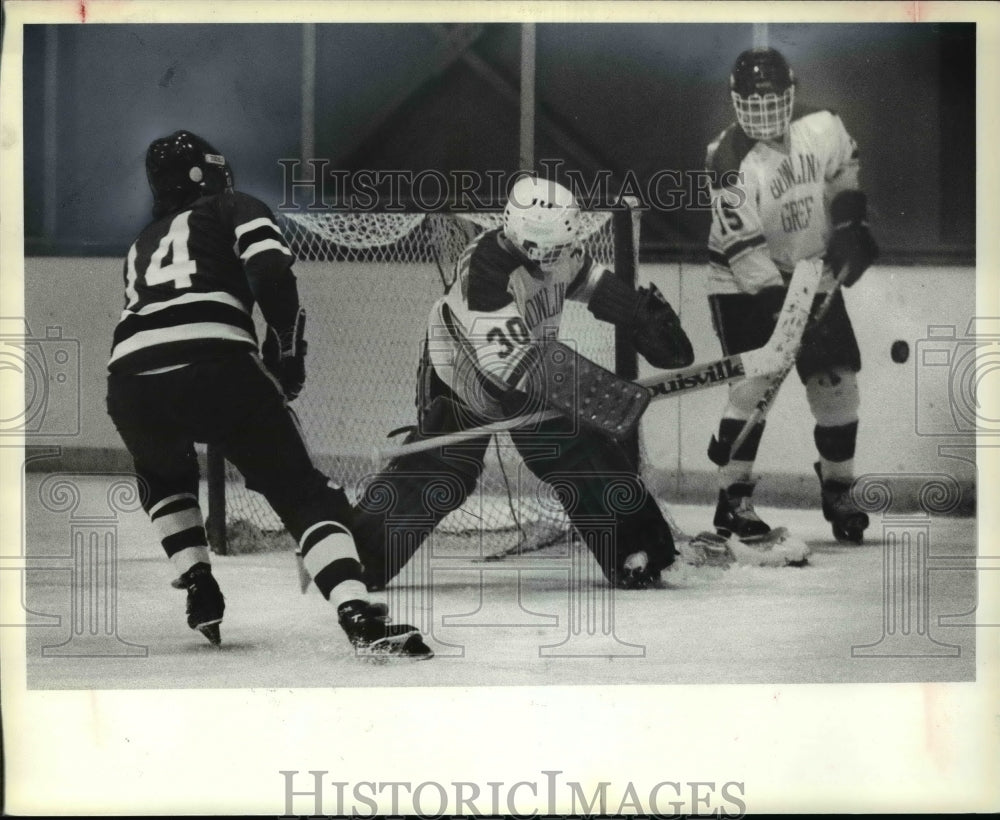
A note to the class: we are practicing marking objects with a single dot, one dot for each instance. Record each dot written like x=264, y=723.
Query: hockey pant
x=233, y=404
x=827, y=364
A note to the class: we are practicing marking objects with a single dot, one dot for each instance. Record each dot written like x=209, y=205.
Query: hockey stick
x=777, y=354
x=688, y=380
x=760, y=410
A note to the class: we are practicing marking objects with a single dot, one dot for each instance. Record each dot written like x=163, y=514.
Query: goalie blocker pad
x=598, y=399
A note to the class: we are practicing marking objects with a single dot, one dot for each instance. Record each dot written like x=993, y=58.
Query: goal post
x=367, y=280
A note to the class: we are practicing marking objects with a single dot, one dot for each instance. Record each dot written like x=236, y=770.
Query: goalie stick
x=774, y=357
x=760, y=410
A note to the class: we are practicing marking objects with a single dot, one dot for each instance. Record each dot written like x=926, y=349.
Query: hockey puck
x=900, y=351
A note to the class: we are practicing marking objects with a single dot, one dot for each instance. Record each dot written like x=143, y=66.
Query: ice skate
x=735, y=515
x=205, y=602
x=368, y=628
x=741, y=537
x=848, y=521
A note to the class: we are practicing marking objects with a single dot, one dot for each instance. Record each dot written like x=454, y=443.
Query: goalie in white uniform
x=492, y=353
x=786, y=190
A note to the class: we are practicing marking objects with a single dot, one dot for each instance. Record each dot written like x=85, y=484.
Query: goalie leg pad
x=600, y=490
x=401, y=506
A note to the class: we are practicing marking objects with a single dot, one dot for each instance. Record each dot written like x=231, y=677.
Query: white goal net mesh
x=368, y=281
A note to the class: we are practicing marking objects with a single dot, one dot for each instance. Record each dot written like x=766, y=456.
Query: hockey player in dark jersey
x=484, y=354
x=797, y=197
x=185, y=368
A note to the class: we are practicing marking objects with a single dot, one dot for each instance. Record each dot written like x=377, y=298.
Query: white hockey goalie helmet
x=762, y=86
x=542, y=219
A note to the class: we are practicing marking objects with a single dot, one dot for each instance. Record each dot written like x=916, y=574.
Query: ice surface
x=855, y=614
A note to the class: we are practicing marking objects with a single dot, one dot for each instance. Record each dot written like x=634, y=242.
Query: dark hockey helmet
x=183, y=167
x=762, y=86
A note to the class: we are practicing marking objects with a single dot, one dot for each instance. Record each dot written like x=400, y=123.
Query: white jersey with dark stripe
x=481, y=335
x=770, y=203
x=187, y=291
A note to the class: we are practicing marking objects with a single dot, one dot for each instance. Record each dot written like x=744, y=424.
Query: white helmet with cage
x=762, y=86
x=542, y=219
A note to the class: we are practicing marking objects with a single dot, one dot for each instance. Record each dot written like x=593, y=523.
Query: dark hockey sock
x=719, y=448
x=836, y=443
x=836, y=450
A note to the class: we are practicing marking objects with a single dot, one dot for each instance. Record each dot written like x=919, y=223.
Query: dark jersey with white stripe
x=192, y=279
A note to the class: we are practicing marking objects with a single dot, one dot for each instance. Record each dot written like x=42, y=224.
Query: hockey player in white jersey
x=786, y=189
x=491, y=352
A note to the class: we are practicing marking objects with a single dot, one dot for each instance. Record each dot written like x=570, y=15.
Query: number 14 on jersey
x=179, y=269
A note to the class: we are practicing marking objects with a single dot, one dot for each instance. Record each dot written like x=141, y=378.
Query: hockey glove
x=284, y=355
x=650, y=322
x=852, y=244
x=658, y=334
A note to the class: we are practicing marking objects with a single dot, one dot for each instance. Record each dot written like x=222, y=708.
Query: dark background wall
x=627, y=98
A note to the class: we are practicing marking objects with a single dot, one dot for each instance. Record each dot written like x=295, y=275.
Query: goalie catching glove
x=284, y=355
x=646, y=317
x=852, y=244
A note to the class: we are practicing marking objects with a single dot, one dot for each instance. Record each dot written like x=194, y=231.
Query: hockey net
x=368, y=281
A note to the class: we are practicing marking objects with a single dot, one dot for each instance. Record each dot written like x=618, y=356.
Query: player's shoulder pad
x=490, y=267
x=817, y=119
x=247, y=203
x=727, y=153
x=238, y=208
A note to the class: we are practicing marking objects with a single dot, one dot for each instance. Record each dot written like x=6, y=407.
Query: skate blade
x=211, y=632
x=407, y=646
